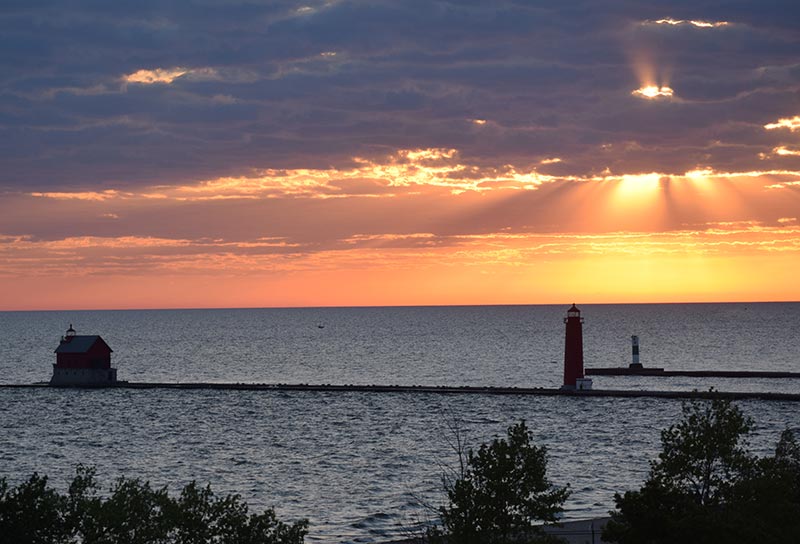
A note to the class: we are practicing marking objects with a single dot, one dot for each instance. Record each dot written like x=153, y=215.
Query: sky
x=232, y=153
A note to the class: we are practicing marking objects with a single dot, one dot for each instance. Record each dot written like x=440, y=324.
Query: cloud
x=159, y=75
x=85, y=195
x=785, y=151
x=96, y=257
x=695, y=23
x=221, y=91
x=792, y=123
x=431, y=190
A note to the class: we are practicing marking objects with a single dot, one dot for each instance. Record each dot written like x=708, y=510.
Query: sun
x=654, y=92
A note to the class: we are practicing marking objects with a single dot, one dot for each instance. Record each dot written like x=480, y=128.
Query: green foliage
x=501, y=492
x=705, y=452
x=706, y=487
x=134, y=513
x=33, y=513
x=764, y=506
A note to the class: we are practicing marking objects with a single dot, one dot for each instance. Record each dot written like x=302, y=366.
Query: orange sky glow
x=420, y=227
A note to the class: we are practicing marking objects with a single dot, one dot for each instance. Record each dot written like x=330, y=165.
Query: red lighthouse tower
x=573, y=352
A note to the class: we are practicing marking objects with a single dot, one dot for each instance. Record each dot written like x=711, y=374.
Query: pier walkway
x=440, y=390
x=661, y=373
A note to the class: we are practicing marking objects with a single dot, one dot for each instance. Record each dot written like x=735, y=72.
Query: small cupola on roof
x=83, y=360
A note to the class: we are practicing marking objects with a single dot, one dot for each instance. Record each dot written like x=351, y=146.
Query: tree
x=134, y=513
x=764, y=506
x=33, y=513
x=501, y=491
x=704, y=453
x=706, y=487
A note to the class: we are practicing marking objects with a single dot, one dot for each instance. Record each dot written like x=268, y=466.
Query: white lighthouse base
x=583, y=384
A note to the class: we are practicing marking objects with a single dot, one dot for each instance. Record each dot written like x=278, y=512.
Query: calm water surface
x=359, y=464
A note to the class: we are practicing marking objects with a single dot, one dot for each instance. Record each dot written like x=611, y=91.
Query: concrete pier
x=660, y=372
x=439, y=390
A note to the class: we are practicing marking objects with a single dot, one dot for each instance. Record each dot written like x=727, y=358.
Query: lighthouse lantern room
x=83, y=360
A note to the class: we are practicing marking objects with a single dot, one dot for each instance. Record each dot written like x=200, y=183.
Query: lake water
x=358, y=465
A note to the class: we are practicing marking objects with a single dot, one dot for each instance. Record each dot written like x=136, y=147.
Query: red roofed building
x=83, y=360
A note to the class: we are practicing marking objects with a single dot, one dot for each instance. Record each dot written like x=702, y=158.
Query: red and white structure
x=573, y=352
x=83, y=360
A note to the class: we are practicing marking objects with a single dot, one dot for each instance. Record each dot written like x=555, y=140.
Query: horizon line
x=367, y=306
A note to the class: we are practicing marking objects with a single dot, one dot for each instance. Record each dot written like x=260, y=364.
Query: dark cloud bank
x=314, y=84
